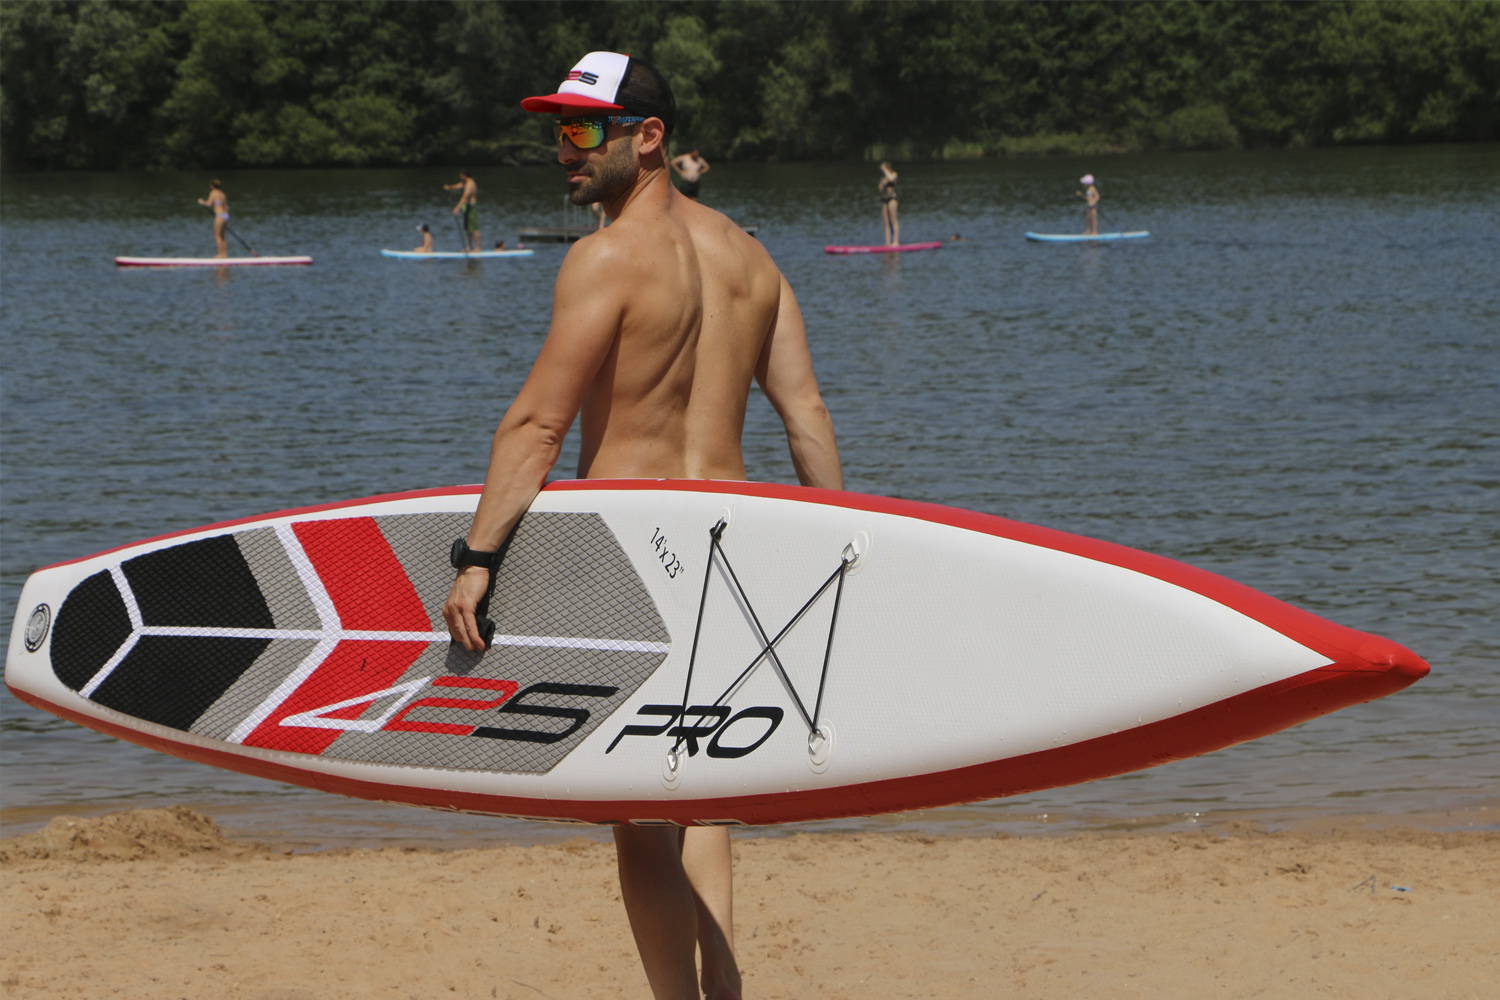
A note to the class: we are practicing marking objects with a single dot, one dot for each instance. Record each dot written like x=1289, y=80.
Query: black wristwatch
x=461, y=556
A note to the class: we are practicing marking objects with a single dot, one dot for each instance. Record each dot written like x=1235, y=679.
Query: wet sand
x=161, y=904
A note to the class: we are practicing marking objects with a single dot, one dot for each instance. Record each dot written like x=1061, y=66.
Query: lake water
x=1294, y=382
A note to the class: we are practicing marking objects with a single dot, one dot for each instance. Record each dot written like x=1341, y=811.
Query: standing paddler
x=467, y=210
x=218, y=203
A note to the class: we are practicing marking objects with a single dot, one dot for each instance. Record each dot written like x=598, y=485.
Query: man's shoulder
x=604, y=252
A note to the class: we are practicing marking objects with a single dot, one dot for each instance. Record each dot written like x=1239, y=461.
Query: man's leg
x=662, y=908
x=706, y=859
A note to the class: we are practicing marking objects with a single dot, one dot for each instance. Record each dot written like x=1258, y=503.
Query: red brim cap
x=562, y=104
x=592, y=85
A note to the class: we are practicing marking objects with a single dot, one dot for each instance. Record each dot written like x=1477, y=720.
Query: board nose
x=1392, y=657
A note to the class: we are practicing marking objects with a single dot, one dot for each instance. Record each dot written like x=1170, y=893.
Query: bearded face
x=604, y=173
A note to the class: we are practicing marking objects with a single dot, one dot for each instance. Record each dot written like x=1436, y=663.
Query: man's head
x=605, y=97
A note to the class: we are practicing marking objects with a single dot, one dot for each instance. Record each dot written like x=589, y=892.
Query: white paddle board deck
x=455, y=254
x=210, y=261
x=676, y=651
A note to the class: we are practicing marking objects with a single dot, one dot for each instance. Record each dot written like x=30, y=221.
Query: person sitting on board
x=218, y=202
x=1090, y=196
x=660, y=323
x=467, y=210
x=889, y=217
x=426, y=246
x=499, y=244
x=690, y=166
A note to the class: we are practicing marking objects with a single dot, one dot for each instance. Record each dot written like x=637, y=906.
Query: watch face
x=456, y=553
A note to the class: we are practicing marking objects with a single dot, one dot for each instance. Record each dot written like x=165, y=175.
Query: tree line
x=110, y=84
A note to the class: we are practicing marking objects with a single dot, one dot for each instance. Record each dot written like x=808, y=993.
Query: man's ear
x=653, y=133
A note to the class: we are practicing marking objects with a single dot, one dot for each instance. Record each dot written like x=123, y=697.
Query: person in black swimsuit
x=888, y=204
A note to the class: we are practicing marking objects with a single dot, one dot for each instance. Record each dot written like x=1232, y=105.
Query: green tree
x=113, y=83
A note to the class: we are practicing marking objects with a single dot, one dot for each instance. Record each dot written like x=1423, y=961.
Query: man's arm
x=588, y=300
x=785, y=372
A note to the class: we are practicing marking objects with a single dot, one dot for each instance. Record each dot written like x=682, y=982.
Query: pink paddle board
x=897, y=248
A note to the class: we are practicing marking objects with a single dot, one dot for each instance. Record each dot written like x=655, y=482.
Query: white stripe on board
x=133, y=612
x=326, y=637
x=283, y=691
x=322, y=603
x=372, y=635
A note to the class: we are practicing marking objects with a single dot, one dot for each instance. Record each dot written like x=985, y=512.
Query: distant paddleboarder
x=218, y=203
x=690, y=166
x=426, y=246
x=467, y=210
x=1090, y=196
x=889, y=218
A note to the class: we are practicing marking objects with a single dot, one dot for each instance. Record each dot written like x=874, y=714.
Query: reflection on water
x=1293, y=383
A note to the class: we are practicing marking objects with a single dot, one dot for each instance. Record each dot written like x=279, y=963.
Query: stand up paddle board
x=1086, y=238
x=455, y=254
x=896, y=248
x=676, y=652
x=210, y=261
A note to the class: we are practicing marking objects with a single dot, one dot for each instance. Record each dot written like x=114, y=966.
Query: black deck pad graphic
x=204, y=583
x=271, y=637
x=91, y=625
x=171, y=680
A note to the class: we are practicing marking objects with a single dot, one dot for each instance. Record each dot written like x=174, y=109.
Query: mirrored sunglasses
x=588, y=133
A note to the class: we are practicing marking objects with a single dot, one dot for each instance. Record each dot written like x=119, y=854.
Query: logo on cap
x=583, y=76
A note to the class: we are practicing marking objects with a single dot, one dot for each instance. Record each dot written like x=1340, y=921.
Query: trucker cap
x=610, y=81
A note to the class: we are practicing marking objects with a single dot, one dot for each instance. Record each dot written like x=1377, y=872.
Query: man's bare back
x=670, y=398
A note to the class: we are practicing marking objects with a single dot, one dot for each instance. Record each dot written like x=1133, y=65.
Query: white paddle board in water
x=676, y=651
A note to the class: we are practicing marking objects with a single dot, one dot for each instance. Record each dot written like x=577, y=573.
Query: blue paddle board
x=454, y=254
x=1086, y=238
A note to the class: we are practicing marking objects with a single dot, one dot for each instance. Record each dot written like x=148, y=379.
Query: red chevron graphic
x=369, y=590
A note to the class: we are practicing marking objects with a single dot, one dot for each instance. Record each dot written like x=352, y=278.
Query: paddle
x=1110, y=220
x=237, y=236
x=463, y=234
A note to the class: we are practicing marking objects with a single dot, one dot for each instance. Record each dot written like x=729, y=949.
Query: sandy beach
x=162, y=904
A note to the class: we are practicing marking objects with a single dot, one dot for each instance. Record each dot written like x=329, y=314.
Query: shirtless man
x=690, y=166
x=468, y=210
x=218, y=202
x=659, y=323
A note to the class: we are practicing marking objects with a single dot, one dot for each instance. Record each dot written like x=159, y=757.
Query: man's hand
x=460, y=611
